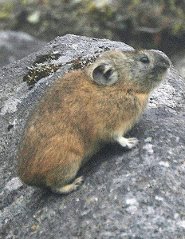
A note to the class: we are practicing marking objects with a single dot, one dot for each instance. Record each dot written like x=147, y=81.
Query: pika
x=83, y=110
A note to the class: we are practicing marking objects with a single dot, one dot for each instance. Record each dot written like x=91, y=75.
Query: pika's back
x=113, y=70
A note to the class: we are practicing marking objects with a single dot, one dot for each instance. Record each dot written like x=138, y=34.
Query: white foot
x=77, y=182
x=127, y=142
x=69, y=187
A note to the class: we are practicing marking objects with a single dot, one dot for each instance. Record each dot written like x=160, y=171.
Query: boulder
x=138, y=193
x=179, y=62
x=16, y=45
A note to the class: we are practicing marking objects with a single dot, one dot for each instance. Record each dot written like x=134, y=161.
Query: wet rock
x=126, y=194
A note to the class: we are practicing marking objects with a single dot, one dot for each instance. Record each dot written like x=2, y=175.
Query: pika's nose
x=162, y=61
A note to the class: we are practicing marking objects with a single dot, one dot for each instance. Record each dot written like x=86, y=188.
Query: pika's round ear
x=104, y=74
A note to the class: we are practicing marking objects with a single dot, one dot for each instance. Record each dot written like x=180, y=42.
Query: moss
x=47, y=57
x=41, y=68
x=39, y=72
x=178, y=27
x=6, y=10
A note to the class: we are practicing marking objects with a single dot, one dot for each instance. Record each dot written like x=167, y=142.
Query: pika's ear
x=104, y=74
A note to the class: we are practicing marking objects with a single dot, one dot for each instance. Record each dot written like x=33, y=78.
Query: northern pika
x=84, y=109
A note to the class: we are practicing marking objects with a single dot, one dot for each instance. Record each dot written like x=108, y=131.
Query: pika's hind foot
x=127, y=142
x=69, y=187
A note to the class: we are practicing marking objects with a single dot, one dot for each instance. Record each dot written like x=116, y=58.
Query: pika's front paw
x=129, y=143
x=132, y=142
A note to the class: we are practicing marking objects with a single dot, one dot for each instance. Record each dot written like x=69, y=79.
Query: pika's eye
x=144, y=59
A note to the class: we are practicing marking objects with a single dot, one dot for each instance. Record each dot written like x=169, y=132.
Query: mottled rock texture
x=126, y=194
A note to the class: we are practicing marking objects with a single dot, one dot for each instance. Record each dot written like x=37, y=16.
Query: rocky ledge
x=126, y=194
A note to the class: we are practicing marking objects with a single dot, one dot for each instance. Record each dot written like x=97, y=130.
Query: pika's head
x=140, y=70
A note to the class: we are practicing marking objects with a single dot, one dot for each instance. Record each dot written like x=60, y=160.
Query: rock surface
x=179, y=61
x=16, y=45
x=126, y=194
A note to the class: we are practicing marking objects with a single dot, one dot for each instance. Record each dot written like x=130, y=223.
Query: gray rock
x=126, y=194
x=182, y=68
x=179, y=62
x=16, y=45
x=13, y=184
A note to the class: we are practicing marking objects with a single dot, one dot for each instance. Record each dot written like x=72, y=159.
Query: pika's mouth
x=163, y=65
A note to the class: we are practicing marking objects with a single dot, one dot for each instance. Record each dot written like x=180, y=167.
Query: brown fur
x=69, y=124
